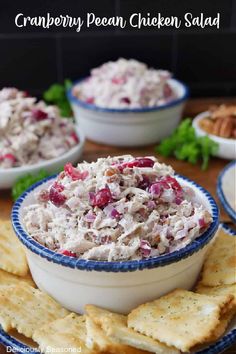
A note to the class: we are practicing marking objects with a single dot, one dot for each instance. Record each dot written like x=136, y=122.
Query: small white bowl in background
x=9, y=176
x=118, y=286
x=130, y=127
x=227, y=147
x=226, y=189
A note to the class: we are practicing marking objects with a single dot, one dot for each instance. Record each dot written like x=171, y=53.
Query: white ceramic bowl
x=130, y=127
x=226, y=189
x=9, y=176
x=227, y=147
x=118, y=286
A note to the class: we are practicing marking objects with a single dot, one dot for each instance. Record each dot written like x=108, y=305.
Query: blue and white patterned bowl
x=226, y=189
x=116, y=285
x=129, y=127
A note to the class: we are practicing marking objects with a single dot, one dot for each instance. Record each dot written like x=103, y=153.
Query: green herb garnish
x=185, y=145
x=56, y=94
x=25, y=182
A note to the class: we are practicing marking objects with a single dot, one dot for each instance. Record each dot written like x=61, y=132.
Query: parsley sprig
x=25, y=182
x=56, y=94
x=185, y=145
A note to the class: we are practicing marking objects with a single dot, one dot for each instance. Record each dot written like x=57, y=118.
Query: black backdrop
x=33, y=58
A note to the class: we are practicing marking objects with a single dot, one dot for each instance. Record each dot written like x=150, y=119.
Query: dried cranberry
x=101, y=198
x=126, y=100
x=9, y=157
x=141, y=162
x=38, y=114
x=202, y=223
x=90, y=100
x=167, y=91
x=145, y=183
x=73, y=173
x=68, y=253
x=75, y=137
x=118, y=80
x=56, y=196
x=174, y=184
x=144, y=162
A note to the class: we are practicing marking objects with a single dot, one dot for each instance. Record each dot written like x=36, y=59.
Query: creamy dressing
x=115, y=209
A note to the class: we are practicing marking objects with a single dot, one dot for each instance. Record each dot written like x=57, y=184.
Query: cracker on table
x=12, y=255
x=26, y=309
x=217, y=290
x=230, y=312
x=181, y=318
x=100, y=342
x=63, y=335
x=115, y=327
x=219, y=267
x=8, y=279
x=222, y=326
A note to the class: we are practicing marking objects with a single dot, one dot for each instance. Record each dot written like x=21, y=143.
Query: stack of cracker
x=13, y=265
x=172, y=324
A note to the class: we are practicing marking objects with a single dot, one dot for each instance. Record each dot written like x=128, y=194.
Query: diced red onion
x=145, y=248
x=151, y=204
x=115, y=214
x=90, y=216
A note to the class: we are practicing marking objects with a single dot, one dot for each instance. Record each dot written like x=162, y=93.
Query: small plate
x=227, y=147
x=9, y=176
x=226, y=189
x=16, y=343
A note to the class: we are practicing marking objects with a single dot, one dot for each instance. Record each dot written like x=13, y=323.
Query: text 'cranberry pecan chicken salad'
x=116, y=209
x=31, y=131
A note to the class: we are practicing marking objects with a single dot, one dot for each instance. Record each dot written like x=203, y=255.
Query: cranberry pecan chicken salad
x=31, y=131
x=125, y=84
x=116, y=209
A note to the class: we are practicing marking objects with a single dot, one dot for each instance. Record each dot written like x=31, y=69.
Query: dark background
x=32, y=58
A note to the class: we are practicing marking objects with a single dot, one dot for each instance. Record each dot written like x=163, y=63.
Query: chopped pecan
x=226, y=128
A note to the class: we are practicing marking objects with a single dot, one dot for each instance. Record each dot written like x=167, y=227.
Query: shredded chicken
x=115, y=209
x=126, y=84
x=30, y=131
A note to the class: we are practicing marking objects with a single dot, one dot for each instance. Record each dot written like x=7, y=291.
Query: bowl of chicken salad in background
x=115, y=233
x=124, y=103
x=33, y=136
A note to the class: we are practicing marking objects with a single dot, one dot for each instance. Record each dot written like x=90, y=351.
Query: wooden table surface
x=205, y=178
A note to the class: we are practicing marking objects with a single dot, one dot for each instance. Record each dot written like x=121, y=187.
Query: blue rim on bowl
x=229, y=210
x=93, y=107
x=123, y=266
